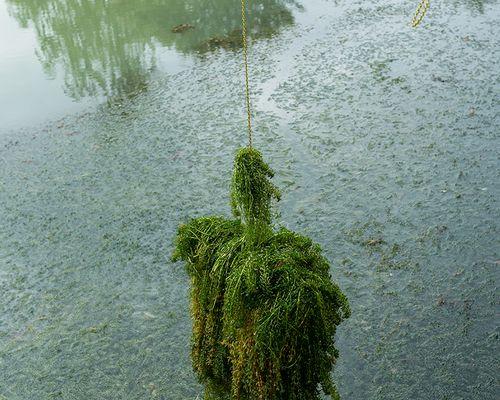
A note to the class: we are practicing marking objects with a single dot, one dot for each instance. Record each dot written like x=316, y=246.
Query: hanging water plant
x=264, y=307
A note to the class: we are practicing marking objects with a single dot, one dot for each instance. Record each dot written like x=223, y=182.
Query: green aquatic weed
x=265, y=309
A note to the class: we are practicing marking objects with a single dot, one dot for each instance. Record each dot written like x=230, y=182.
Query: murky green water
x=385, y=141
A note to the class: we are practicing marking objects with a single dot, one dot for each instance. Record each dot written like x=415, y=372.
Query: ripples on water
x=384, y=140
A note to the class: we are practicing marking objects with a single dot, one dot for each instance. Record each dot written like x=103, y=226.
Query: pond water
x=114, y=129
x=60, y=56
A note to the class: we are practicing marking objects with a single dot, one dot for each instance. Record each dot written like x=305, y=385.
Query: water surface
x=60, y=56
x=384, y=140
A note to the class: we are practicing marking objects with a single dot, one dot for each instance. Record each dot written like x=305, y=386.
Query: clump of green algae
x=265, y=309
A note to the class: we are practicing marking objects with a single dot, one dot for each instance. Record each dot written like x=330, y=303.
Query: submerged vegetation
x=264, y=306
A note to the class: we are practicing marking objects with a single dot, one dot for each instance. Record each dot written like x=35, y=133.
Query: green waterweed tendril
x=265, y=309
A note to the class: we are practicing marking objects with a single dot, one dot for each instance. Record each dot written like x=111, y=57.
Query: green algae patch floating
x=265, y=309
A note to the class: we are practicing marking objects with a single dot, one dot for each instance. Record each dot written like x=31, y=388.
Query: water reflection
x=109, y=47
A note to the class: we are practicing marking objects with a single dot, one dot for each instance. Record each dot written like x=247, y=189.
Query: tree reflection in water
x=109, y=47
